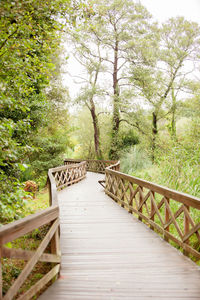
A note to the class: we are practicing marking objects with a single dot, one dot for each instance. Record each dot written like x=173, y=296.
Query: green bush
x=13, y=199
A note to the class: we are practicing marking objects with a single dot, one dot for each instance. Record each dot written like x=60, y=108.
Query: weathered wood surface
x=16, y=229
x=108, y=254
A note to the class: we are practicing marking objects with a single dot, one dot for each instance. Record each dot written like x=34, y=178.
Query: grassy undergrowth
x=40, y=202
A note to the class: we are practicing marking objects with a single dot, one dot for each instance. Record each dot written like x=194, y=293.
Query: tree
x=85, y=50
x=179, y=42
x=51, y=140
x=30, y=34
x=118, y=26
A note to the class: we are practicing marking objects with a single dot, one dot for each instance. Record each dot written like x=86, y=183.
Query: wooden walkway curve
x=108, y=254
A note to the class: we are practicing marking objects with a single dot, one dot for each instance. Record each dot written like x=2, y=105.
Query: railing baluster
x=131, y=200
x=186, y=229
x=152, y=209
x=166, y=220
x=140, y=201
x=49, y=191
x=123, y=191
x=55, y=248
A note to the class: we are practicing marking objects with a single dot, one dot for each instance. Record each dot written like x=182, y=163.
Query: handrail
x=16, y=229
x=92, y=165
x=115, y=167
x=53, y=197
x=57, y=178
x=150, y=201
x=68, y=174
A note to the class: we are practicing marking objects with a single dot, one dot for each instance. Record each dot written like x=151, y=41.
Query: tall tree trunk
x=154, y=132
x=116, y=115
x=96, y=130
x=173, y=120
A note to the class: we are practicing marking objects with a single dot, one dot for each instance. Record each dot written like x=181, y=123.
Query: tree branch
x=103, y=112
x=133, y=125
x=4, y=42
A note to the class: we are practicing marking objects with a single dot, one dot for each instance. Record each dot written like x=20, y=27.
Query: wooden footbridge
x=105, y=249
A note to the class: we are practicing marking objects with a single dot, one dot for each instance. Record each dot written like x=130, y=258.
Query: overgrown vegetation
x=143, y=81
x=33, y=120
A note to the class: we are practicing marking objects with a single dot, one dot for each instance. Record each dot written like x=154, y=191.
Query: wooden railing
x=69, y=174
x=176, y=216
x=57, y=178
x=92, y=165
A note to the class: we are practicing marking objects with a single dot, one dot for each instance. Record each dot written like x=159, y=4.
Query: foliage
x=103, y=46
x=159, y=84
x=180, y=170
x=134, y=161
x=128, y=138
x=180, y=164
x=142, y=69
x=50, y=150
x=31, y=187
x=13, y=199
x=30, y=37
x=177, y=162
x=40, y=202
x=82, y=134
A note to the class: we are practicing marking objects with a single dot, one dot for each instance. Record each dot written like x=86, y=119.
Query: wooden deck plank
x=108, y=254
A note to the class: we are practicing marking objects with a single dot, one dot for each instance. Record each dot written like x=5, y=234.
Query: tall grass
x=134, y=161
x=177, y=168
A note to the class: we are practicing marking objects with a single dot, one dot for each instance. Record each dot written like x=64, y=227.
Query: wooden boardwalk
x=108, y=254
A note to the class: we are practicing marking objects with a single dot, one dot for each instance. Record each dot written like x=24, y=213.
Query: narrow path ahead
x=108, y=254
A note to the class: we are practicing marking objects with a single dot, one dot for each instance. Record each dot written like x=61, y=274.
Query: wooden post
x=186, y=229
x=55, y=247
x=131, y=201
x=123, y=188
x=106, y=181
x=152, y=209
x=55, y=243
x=140, y=201
x=166, y=220
x=49, y=190
x=1, y=282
